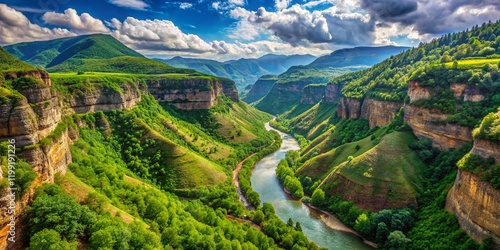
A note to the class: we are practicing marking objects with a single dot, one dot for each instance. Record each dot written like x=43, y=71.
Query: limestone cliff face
x=379, y=113
x=190, y=94
x=476, y=205
x=332, y=93
x=486, y=148
x=32, y=117
x=38, y=74
x=349, y=108
x=417, y=92
x=104, y=99
x=431, y=123
x=260, y=89
x=312, y=94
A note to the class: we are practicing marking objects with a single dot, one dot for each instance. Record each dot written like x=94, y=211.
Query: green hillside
x=50, y=53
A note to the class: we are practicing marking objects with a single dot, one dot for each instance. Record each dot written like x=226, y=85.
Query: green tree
x=397, y=240
x=318, y=197
x=50, y=240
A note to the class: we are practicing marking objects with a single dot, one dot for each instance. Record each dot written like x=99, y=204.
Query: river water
x=265, y=182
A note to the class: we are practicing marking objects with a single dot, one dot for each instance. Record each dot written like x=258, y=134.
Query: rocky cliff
x=431, y=123
x=312, y=94
x=349, y=108
x=476, y=205
x=260, y=88
x=475, y=196
x=332, y=93
x=188, y=94
x=379, y=113
x=104, y=99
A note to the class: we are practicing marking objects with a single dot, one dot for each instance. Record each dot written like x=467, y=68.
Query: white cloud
x=82, y=24
x=15, y=28
x=157, y=35
x=133, y=4
x=281, y=4
x=236, y=2
x=185, y=5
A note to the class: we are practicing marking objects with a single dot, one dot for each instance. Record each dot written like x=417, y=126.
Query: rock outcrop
x=332, y=93
x=188, y=94
x=379, y=113
x=102, y=99
x=260, y=88
x=432, y=124
x=476, y=205
x=349, y=108
x=312, y=94
x=417, y=92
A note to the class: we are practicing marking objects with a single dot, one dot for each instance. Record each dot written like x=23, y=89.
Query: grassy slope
x=54, y=52
x=391, y=163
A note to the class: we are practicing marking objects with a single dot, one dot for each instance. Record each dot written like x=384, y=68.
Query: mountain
x=47, y=54
x=242, y=71
x=288, y=86
x=390, y=137
x=98, y=52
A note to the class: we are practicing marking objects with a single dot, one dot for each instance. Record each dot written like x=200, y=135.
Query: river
x=265, y=182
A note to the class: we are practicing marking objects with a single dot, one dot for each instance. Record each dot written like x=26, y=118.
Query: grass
x=191, y=169
x=472, y=63
x=320, y=166
x=390, y=161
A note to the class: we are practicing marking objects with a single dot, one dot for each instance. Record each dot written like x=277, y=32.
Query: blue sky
x=229, y=29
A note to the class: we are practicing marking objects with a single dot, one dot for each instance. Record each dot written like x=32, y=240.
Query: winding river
x=265, y=182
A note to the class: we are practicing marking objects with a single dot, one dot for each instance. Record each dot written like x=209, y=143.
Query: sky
x=231, y=29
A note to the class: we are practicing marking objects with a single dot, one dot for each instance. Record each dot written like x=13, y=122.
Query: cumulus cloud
x=291, y=25
x=157, y=35
x=281, y=4
x=15, y=28
x=221, y=47
x=133, y=4
x=432, y=17
x=84, y=23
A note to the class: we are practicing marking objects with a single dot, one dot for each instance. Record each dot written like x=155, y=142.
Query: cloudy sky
x=229, y=29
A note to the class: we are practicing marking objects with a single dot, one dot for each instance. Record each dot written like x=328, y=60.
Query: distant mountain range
x=286, y=88
x=242, y=71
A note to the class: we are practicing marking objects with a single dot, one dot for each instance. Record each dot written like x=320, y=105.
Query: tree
x=51, y=240
x=318, y=197
x=363, y=224
x=298, y=227
x=397, y=240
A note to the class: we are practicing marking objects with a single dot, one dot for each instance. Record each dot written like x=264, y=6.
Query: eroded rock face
x=260, y=89
x=417, y=92
x=332, y=93
x=312, y=94
x=431, y=123
x=476, y=205
x=18, y=121
x=104, y=99
x=487, y=148
x=349, y=108
x=192, y=93
x=379, y=113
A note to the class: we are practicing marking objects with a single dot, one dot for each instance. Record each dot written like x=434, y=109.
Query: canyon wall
x=378, y=113
x=188, y=94
x=312, y=94
x=260, y=88
x=332, y=93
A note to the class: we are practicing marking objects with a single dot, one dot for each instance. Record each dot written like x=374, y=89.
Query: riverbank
x=332, y=222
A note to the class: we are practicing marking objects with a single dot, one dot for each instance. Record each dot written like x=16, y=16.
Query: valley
x=102, y=147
